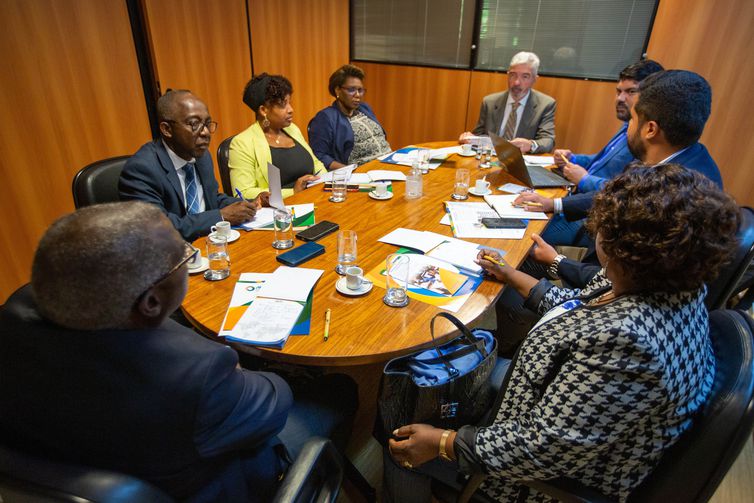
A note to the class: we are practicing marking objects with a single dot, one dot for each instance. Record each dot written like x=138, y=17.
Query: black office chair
x=98, y=182
x=728, y=283
x=316, y=475
x=223, y=152
x=692, y=469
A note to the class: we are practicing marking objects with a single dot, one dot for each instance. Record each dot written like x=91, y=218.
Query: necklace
x=276, y=139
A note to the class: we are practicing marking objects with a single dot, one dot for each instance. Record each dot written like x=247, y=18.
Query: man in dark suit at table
x=95, y=373
x=521, y=115
x=176, y=171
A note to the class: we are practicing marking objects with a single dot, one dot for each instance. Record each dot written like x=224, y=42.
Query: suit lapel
x=527, y=117
x=498, y=112
x=170, y=174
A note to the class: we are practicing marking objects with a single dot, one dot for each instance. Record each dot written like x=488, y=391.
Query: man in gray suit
x=531, y=126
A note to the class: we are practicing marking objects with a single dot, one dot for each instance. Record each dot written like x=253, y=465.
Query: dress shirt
x=178, y=164
x=519, y=112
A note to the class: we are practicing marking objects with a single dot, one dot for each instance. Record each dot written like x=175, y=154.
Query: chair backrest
x=722, y=288
x=223, y=152
x=316, y=474
x=28, y=478
x=692, y=469
x=98, y=182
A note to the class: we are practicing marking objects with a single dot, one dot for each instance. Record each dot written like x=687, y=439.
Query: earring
x=265, y=122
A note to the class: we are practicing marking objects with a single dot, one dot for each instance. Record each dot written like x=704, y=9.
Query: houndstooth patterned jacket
x=598, y=393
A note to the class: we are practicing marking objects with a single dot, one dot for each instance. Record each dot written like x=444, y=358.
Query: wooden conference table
x=363, y=330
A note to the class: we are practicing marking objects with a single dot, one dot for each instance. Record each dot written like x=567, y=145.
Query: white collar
x=178, y=161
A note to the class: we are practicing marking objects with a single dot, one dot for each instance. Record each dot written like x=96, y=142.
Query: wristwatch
x=534, y=146
x=552, y=269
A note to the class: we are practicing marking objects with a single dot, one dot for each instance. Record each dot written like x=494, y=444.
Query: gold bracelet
x=443, y=439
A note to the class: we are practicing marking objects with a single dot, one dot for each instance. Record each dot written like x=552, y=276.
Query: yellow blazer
x=249, y=155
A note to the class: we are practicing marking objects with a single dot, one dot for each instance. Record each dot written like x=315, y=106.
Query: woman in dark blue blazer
x=347, y=132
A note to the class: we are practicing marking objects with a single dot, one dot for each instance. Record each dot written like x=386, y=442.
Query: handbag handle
x=479, y=345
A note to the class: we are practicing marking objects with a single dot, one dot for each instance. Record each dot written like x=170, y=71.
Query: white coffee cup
x=221, y=229
x=466, y=148
x=354, y=278
x=482, y=186
x=380, y=189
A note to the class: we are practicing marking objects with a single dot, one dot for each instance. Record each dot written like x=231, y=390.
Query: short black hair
x=679, y=101
x=167, y=102
x=640, y=70
x=338, y=78
x=264, y=89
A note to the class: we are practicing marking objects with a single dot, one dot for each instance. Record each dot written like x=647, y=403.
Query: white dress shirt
x=519, y=112
x=178, y=164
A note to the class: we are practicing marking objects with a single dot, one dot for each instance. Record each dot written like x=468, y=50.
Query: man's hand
x=531, y=201
x=559, y=154
x=465, y=137
x=262, y=200
x=573, y=172
x=240, y=212
x=542, y=252
x=301, y=182
x=523, y=144
x=421, y=445
x=493, y=267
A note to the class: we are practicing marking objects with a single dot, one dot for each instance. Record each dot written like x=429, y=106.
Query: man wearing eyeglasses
x=176, y=171
x=94, y=372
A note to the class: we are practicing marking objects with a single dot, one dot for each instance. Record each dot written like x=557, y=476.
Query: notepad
x=503, y=205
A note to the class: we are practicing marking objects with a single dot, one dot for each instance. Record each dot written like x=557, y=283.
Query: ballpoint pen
x=327, y=323
x=240, y=196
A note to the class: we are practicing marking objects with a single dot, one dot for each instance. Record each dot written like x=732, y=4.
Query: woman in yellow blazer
x=272, y=138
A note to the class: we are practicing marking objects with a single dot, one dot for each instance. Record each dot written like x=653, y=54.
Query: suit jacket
x=163, y=404
x=610, y=162
x=248, y=157
x=331, y=134
x=696, y=157
x=537, y=122
x=149, y=176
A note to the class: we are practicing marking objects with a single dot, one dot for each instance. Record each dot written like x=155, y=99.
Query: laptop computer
x=534, y=176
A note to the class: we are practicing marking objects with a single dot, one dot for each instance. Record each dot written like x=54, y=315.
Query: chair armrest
x=316, y=471
x=567, y=490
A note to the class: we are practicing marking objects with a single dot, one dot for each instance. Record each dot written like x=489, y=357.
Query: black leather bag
x=464, y=398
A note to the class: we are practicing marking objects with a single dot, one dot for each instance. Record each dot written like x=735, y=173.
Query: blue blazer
x=163, y=404
x=696, y=157
x=331, y=135
x=608, y=166
x=149, y=176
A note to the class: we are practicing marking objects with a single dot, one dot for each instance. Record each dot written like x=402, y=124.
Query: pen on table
x=498, y=262
x=327, y=323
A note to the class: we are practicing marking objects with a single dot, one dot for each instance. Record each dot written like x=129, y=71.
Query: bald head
x=92, y=266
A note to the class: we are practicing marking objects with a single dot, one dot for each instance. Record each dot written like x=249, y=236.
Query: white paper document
x=386, y=174
x=467, y=222
x=291, y=283
x=409, y=238
x=503, y=205
x=275, y=186
x=267, y=322
x=442, y=153
x=327, y=177
x=539, y=160
x=513, y=188
x=265, y=216
x=459, y=253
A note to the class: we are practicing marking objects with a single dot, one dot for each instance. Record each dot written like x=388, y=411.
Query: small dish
x=203, y=266
x=474, y=192
x=234, y=235
x=388, y=195
x=470, y=154
x=342, y=288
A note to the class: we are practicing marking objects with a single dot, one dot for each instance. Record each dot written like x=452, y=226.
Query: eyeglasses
x=189, y=253
x=353, y=91
x=196, y=125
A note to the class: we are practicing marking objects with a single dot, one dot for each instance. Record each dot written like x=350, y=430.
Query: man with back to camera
x=94, y=373
x=591, y=172
x=521, y=115
x=176, y=172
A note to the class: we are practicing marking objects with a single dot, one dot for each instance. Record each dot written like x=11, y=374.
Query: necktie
x=510, y=126
x=192, y=199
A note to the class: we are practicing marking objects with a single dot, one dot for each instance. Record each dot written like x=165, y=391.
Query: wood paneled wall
x=71, y=94
x=304, y=41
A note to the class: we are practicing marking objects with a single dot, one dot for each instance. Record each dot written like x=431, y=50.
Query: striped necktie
x=192, y=192
x=510, y=126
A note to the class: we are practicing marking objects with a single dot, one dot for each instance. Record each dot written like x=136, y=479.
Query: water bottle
x=414, y=182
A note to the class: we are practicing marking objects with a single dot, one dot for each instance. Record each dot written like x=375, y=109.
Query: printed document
x=503, y=204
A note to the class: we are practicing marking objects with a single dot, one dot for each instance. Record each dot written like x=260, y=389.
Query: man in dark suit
x=176, y=171
x=93, y=372
x=521, y=115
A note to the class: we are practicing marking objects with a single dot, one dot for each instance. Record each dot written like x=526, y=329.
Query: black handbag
x=463, y=397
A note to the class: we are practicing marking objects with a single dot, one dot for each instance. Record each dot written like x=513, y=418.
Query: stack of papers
x=303, y=216
x=407, y=156
x=503, y=205
x=453, y=251
x=367, y=178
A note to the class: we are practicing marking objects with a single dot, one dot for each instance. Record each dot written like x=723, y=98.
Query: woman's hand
x=420, y=443
x=542, y=252
x=301, y=182
x=500, y=272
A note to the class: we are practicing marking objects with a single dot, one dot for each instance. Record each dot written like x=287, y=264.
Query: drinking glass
x=422, y=160
x=346, y=251
x=486, y=157
x=283, y=225
x=219, y=260
x=396, y=280
x=339, y=186
x=461, y=187
x=414, y=184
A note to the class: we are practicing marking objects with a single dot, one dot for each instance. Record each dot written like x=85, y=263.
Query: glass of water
x=461, y=187
x=346, y=251
x=396, y=280
x=339, y=186
x=414, y=185
x=219, y=260
x=422, y=160
x=283, y=225
x=486, y=157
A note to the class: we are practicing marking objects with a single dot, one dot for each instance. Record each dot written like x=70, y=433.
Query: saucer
x=473, y=191
x=470, y=154
x=388, y=195
x=342, y=288
x=202, y=267
x=234, y=235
